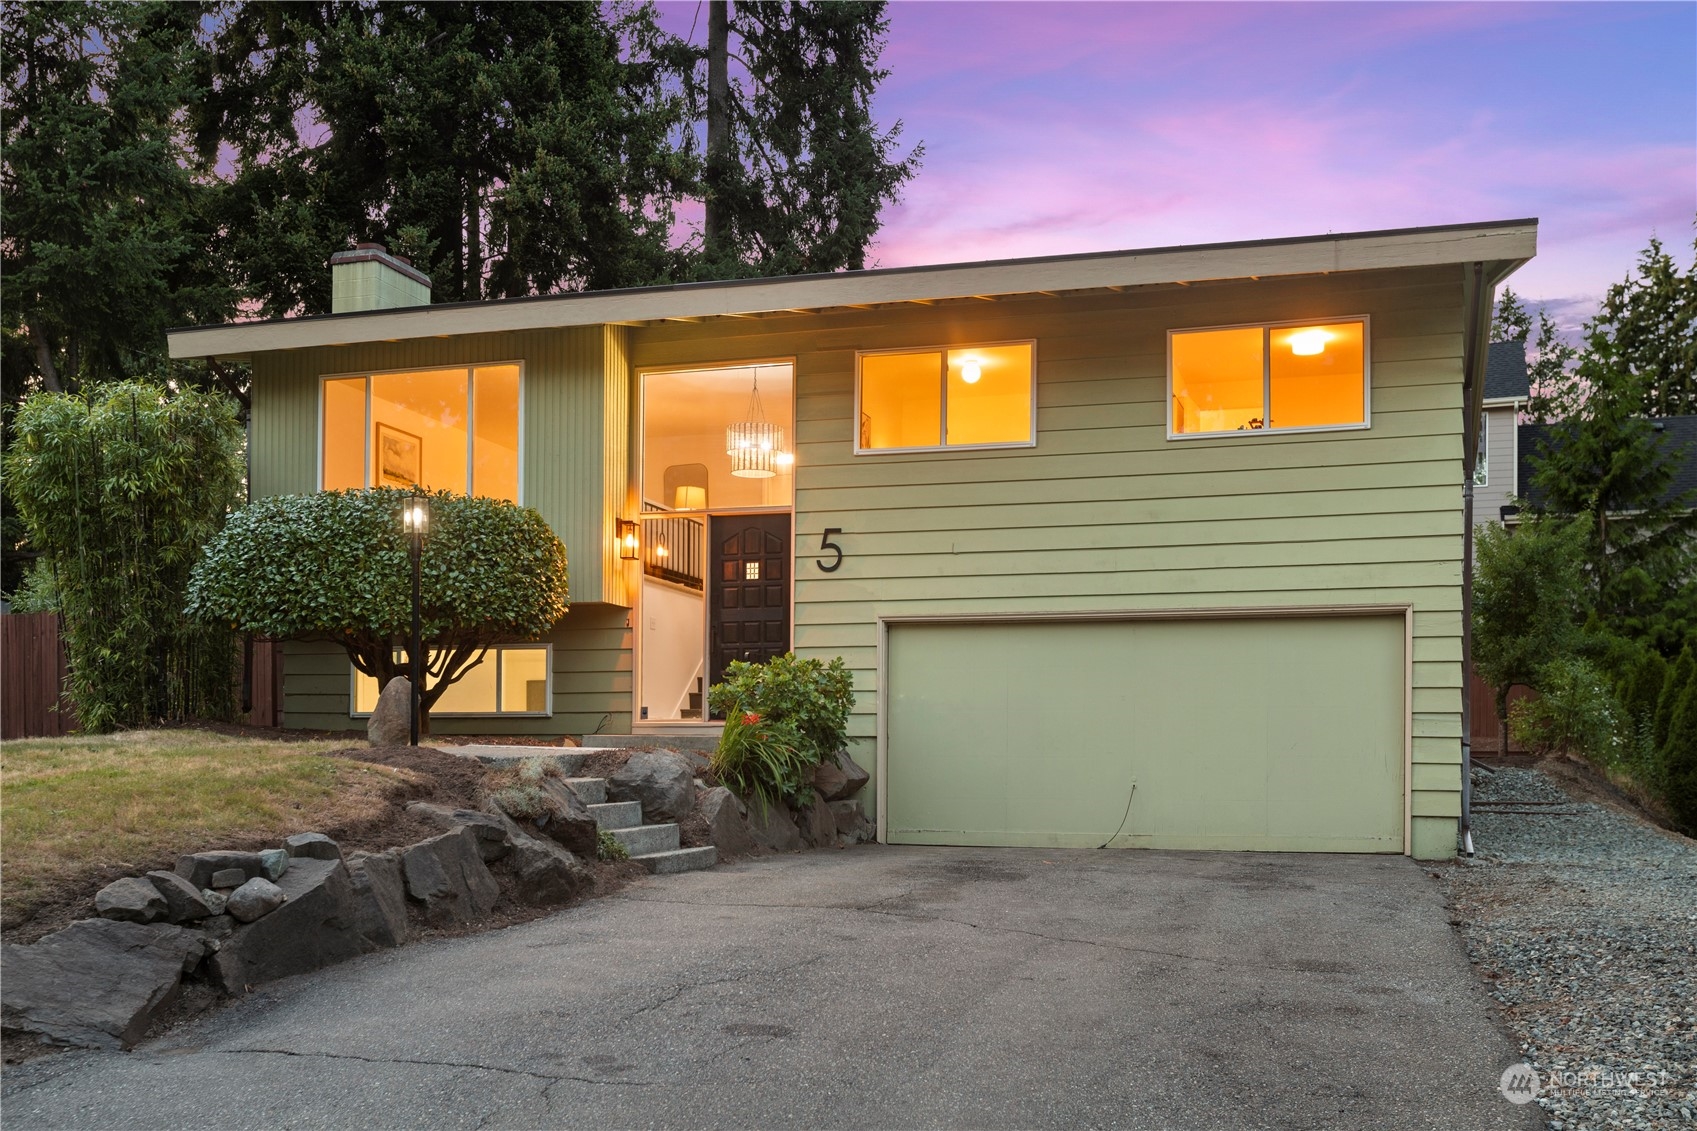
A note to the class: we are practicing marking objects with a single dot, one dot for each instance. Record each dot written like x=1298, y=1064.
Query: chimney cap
x=369, y=252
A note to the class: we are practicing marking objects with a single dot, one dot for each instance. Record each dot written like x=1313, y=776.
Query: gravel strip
x=1582, y=921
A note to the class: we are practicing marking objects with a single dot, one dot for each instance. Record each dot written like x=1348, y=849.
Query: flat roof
x=1502, y=241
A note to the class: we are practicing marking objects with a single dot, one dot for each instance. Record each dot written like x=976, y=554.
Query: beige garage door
x=1281, y=734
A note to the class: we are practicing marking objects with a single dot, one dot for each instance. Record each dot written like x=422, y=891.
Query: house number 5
x=825, y=543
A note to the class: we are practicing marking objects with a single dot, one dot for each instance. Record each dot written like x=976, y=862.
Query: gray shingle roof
x=1679, y=433
x=1505, y=371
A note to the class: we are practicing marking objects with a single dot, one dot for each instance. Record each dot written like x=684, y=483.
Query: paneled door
x=750, y=610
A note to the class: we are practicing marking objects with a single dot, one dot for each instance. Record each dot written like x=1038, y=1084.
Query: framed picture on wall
x=400, y=457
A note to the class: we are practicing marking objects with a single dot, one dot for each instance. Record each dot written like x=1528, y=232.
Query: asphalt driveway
x=877, y=987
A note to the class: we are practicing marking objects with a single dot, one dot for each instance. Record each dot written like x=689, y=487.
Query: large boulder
x=315, y=926
x=391, y=719
x=662, y=780
x=839, y=778
x=491, y=831
x=447, y=876
x=544, y=805
x=852, y=825
x=255, y=899
x=727, y=822
x=774, y=827
x=199, y=868
x=184, y=901
x=544, y=874
x=380, y=898
x=818, y=825
x=98, y=983
x=132, y=900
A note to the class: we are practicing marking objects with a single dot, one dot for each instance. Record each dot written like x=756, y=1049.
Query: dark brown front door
x=750, y=609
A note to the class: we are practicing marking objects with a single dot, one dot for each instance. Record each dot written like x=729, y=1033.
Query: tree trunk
x=718, y=130
x=474, y=244
x=44, y=360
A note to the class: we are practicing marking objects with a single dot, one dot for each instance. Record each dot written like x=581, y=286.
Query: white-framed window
x=945, y=398
x=1268, y=377
x=512, y=679
x=1482, y=457
x=453, y=428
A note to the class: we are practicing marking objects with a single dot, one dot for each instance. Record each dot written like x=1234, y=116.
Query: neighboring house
x=1678, y=437
x=1506, y=392
x=1161, y=547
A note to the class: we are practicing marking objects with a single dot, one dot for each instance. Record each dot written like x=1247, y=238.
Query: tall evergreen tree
x=509, y=149
x=106, y=224
x=1511, y=322
x=798, y=171
x=1650, y=320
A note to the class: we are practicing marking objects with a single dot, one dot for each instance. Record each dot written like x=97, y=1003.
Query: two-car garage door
x=1281, y=734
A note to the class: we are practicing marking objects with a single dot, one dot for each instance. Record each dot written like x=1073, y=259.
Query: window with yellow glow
x=441, y=429
x=1268, y=378
x=975, y=396
x=508, y=681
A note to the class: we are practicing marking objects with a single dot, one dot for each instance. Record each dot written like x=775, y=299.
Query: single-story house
x=1158, y=547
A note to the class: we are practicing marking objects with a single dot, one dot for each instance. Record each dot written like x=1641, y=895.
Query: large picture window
x=511, y=680
x=970, y=397
x=1276, y=377
x=441, y=429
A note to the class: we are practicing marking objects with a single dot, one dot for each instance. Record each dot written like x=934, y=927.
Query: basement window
x=1274, y=377
x=510, y=680
x=939, y=399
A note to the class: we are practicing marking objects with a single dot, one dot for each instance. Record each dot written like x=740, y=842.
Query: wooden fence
x=1486, y=737
x=32, y=674
x=33, y=668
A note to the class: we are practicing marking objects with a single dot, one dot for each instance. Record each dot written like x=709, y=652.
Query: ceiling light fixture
x=970, y=371
x=1308, y=343
x=753, y=443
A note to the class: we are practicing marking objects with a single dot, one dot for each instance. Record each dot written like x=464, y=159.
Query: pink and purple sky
x=1072, y=127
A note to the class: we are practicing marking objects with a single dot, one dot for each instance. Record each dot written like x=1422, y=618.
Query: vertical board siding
x=33, y=667
x=1107, y=514
x=574, y=420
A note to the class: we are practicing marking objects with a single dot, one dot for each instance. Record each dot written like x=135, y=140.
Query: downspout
x=1470, y=461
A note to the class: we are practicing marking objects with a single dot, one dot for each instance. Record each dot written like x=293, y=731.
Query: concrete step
x=645, y=840
x=679, y=860
x=617, y=815
x=590, y=791
x=701, y=743
x=569, y=760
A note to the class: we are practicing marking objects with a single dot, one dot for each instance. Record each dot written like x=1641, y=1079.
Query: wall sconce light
x=628, y=542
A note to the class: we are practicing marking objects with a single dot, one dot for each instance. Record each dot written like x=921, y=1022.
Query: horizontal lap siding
x=575, y=472
x=1107, y=514
x=591, y=669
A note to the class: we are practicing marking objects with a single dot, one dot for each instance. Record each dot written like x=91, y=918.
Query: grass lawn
x=76, y=812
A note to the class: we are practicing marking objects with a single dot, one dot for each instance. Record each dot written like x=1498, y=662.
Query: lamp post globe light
x=415, y=521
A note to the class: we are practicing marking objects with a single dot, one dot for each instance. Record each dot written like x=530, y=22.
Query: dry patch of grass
x=78, y=811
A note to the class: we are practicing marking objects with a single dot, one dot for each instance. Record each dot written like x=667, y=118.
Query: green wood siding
x=1107, y=514
x=592, y=682
x=574, y=420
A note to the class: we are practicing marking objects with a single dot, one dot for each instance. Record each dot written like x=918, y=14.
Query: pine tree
x=508, y=149
x=798, y=172
x=106, y=223
x=1679, y=756
x=1680, y=675
x=1651, y=320
x=1511, y=322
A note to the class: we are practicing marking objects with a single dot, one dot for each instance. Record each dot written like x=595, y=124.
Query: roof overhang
x=1503, y=245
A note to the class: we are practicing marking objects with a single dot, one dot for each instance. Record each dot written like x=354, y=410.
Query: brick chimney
x=369, y=278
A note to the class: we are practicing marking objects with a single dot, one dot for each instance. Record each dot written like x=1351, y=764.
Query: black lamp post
x=415, y=520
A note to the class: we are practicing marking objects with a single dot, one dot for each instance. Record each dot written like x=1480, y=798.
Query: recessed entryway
x=717, y=484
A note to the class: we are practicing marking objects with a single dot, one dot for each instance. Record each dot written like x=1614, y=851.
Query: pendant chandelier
x=753, y=443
